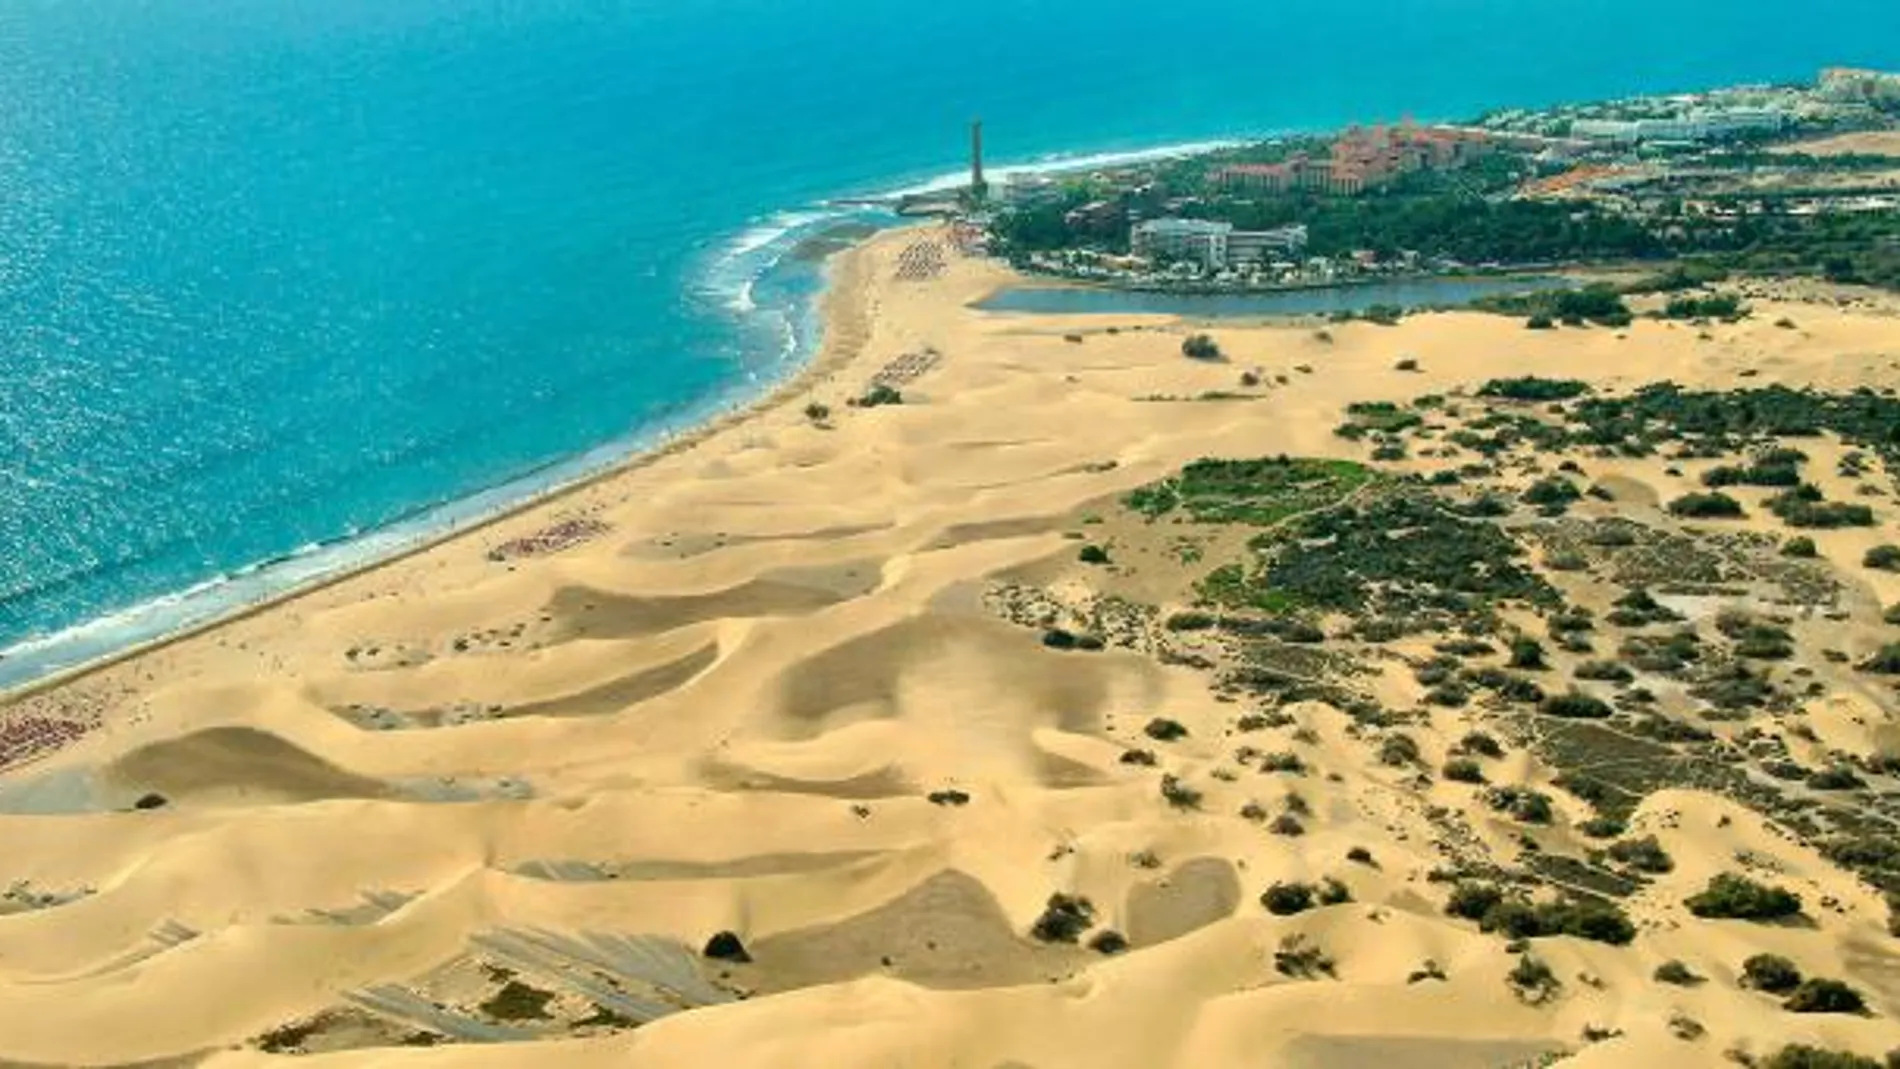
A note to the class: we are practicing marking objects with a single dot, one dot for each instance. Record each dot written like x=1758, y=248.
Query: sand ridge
x=770, y=692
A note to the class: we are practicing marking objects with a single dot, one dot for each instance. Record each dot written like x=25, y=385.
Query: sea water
x=287, y=285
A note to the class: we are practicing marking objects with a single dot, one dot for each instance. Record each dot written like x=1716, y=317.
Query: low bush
x=1602, y=827
x=1463, y=770
x=1882, y=558
x=1179, y=794
x=1527, y=654
x=1675, y=972
x=1554, y=493
x=1604, y=672
x=1825, y=996
x=1709, y=506
x=1532, y=980
x=1802, y=1056
x=1398, y=750
x=1473, y=900
x=1480, y=743
x=1286, y=899
x=1532, y=388
x=1161, y=729
x=1731, y=896
x=1644, y=855
x=1770, y=972
x=1521, y=803
x=879, y=395
x=1884, y=661
x=1064, y=919
x=1800, y=547
x=1576, y=705
x=1200, y=347
x=1804, y=506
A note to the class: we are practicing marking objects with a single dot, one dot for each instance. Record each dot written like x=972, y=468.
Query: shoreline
x=634, y=454
x=824, y=360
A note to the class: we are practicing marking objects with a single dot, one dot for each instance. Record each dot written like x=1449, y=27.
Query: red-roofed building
x=1361, y=159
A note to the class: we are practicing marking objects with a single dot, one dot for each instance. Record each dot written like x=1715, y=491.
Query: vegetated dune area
x=1447, y=695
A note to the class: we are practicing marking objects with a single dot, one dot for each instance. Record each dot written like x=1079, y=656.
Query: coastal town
x=1788, y=179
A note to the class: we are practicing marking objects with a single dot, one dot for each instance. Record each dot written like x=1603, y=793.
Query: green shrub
x=1463, y=770
x=1478, y=742
x=1709, y=506
x=1161, y=729
x=1178, y=794
x=1825, y=996
x=1532, y=980
x=1804, y=506
x=1602, y=827
x=1675, y=972
x=1532, y=388
x=1604, y=672
x=1884, y=661
x=1522, y=803
x=1802, y=1056
x=1200, y=347
x=1064, y=919
x=1770, y=972
x=1883, y=558
x=1644, y=855
x=1093, y=555
x=1527, y=654
x=1731, y=896
x=879, y=395
x=1576, y=706
x=1398, y=749
x=1473, y=901
x=1286, y=899
x=1724, y=306
x=1836, y=778
x=1800, y=547
x=1552, y=492
x=516, y=1001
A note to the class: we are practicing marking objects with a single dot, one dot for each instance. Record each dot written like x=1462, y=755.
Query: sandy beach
x=788, y=678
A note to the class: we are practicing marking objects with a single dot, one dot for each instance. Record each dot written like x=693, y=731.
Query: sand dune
x=824, y=686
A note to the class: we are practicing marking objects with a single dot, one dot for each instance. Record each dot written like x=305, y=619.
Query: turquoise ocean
x=286, y=285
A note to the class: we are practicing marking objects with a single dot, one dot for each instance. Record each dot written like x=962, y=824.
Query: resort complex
x=1729, y=176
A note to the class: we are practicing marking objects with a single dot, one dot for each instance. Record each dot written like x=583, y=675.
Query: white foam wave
x=736, y=267
x=763, y=234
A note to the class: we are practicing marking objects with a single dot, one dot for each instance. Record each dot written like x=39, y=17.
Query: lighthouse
x=978, y=187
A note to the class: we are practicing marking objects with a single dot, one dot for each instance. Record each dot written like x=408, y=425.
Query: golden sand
x=724, y=706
